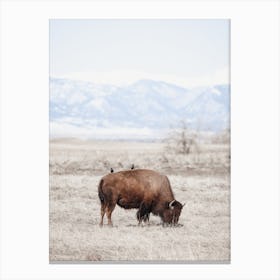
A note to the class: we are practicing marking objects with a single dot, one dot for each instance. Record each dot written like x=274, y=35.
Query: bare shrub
x=222, y=138
x=182, y=140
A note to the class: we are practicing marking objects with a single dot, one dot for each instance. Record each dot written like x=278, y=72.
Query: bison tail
x=100, y=192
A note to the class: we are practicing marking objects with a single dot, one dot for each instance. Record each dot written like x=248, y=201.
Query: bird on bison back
x=142, y=189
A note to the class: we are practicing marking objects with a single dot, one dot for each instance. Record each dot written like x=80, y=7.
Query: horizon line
x=124, y=78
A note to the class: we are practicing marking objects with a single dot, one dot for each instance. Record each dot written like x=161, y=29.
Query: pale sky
x=185, y=52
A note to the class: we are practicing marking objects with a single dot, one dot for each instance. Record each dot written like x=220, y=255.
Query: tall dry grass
x=201, y=181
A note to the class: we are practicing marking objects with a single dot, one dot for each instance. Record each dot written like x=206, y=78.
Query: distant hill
x=145, y=107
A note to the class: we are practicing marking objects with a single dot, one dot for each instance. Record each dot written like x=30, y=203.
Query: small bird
x=132, y=166
x=112, y=170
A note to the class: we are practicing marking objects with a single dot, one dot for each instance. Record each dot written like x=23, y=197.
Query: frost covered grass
x=76, y=167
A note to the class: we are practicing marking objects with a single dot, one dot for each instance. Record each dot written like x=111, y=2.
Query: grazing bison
x=146, y=190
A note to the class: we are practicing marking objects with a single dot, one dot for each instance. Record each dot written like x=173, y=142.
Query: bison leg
x=147, y=218
x=143, y=213
x=103, y=207
x=110, y=208
x=139, y=217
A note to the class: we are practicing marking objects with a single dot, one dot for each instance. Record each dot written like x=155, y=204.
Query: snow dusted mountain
x=211, y=109
x=140, y=110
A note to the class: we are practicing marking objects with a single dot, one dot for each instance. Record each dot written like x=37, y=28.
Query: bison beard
x=142, y=189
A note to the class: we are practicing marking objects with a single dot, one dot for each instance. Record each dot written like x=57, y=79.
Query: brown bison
x=143, y=189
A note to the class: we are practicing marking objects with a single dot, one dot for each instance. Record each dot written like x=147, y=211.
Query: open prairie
x=200, y=179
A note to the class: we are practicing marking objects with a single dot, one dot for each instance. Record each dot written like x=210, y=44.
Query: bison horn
x=171, y=204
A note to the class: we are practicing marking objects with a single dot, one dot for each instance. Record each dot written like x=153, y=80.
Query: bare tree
x=182, y=140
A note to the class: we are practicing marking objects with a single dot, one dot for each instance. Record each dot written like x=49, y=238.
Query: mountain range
x=146, y=107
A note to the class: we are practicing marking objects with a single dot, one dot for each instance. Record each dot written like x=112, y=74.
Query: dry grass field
x=201, y=180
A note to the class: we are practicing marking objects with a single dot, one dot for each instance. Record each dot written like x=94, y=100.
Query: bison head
x=172, y=212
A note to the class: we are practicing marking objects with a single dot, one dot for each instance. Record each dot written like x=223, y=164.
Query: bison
x=142, y=189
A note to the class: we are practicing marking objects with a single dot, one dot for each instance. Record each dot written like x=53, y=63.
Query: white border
x=255, y=137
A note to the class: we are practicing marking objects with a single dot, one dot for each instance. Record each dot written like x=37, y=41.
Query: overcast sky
x=186, y=52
